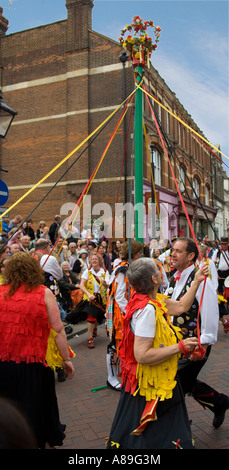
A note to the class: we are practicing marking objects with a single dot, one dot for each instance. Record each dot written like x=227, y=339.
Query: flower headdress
x=139, y=43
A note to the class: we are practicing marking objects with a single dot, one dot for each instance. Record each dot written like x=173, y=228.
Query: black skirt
x=32, y=388
x=170, y=430
x=85, y=308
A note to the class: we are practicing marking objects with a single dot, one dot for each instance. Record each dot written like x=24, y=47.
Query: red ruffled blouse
x=24, y=325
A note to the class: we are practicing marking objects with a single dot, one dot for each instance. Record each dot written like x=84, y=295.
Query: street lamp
x=6, y=117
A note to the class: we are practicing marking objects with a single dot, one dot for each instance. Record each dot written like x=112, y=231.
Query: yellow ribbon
x=69, y=155
x=182, y=122
x=154, y=190
x=96, y=171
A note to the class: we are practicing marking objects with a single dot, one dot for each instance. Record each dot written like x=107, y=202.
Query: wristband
x=67, y=360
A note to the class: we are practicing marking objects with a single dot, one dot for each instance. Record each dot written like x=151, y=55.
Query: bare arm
x=83, y=288
x=145, y=354
x=178, y=307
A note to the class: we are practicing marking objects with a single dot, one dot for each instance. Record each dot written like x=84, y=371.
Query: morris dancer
x=151, y=413
x=185, y=253
x=120, y=291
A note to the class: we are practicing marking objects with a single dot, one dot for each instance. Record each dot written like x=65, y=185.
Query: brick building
x=64, y=80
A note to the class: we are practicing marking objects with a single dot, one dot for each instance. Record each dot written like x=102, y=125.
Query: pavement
x=88, y=414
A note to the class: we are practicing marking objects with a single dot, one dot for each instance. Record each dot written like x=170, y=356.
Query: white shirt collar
x=183, y=278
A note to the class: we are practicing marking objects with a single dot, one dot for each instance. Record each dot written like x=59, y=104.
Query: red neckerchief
x=177, y=278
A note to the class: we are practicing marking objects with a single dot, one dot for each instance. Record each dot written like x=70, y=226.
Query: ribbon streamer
x=199, y=350
x=182, y=122
x=68, y=156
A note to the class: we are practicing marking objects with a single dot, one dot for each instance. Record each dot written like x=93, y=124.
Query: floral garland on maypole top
x=139, y=45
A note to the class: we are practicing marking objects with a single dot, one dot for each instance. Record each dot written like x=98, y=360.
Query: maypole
x=139, y=213
x=139, y=47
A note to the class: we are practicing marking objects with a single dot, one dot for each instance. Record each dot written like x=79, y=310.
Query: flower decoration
x=170, y=290
x=138, y=43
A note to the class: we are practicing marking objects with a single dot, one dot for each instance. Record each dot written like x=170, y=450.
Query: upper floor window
x=182, y=178
x=156, y=160
x=196, y=188
x=207, y=195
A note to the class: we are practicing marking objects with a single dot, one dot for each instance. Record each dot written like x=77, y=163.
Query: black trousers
x=205, y=395
x=223, y=306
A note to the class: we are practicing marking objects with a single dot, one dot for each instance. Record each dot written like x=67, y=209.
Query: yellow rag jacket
x=90, y=286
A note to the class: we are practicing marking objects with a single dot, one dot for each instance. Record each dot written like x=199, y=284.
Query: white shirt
x=164, y=255
x=51, y=266
x=209, y=309
x=96, y=287
x=213, y=272
x=120, y=293
x=144, y=325
x=223, y=261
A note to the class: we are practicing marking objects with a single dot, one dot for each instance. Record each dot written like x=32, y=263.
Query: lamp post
x=6, y=117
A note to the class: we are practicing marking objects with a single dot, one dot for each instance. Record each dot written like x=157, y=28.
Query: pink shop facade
x=162, y=225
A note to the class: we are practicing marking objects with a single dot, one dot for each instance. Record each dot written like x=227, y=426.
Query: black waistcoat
x=188, y=320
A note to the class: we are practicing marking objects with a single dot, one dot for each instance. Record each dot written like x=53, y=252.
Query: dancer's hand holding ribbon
x=188, y=345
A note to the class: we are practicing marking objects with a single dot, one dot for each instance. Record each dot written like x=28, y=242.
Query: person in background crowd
x=156, y=256
x=91, y=247
x=60, y=252
x=84, y=260
x=15, y=237
x=4, y=251
x=78, y=246
x=24, y=228
x=25, y=243
x=15, y=248
x=118, y=245
x=67, y=284
x=106, y=258
x=76, y=268
x=53, y=229
x=112, y=252
x=5, y=227
x=73, y=233
x=45, y=233
x=166, y=257
x=86, y=232
x=40, y=228
x=223, y=273
x=30, y=229
x=72, y=253
x=15, y=222
x=211, y=248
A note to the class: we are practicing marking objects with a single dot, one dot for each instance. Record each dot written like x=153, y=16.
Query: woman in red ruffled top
x=28, y=310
